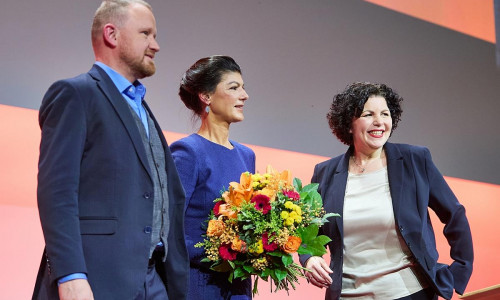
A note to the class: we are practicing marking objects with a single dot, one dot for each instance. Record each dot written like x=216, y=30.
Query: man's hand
x=78, y=289
x=320, y=272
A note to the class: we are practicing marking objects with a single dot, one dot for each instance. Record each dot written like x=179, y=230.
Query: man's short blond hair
x=112, y=11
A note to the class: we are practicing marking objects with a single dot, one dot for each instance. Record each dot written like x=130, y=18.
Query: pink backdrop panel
x=22, y=240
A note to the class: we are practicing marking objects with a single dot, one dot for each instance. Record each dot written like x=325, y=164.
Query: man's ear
x=110, y=35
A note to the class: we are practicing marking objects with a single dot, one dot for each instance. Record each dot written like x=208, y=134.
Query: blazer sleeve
x=456, y=229
x=63, y=125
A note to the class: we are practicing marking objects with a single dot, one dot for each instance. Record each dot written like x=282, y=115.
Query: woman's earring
x=207, y=109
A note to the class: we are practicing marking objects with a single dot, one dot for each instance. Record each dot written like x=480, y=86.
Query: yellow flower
x=284, y=215
x=257, y=248
x=289, y=204
x=256, y=177
x=293, y=215
x=298, y=219
x=259, y=263
x=289, y=221
x=297, y=209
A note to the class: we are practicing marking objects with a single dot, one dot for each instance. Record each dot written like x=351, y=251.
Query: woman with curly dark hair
x=384, y=247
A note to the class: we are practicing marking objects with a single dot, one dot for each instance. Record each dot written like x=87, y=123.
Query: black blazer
x=95, y=193
x=415, y=184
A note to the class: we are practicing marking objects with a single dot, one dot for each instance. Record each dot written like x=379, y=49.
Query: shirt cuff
x=72, y=277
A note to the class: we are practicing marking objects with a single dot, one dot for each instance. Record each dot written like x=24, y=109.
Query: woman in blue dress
x=208, y=160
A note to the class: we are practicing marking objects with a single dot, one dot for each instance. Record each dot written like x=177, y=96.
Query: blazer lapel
x=336, y=189
x=114, y=96
x=395, y=174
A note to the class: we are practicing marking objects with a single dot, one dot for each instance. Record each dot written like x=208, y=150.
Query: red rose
x=291, y=194
x=226, y=252
x=261, y=203
x=216, y=208
x=269, y=247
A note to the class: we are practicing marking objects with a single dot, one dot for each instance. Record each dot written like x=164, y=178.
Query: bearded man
x=109, y=196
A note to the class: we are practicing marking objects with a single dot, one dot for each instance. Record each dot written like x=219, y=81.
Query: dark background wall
x=295, y=56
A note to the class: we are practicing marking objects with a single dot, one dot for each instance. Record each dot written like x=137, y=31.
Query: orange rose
x=215, y=228
x=225, y=210
x=292, y=245
x=239, y=245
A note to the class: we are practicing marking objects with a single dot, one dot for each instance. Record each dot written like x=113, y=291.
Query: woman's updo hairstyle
x=203, y=77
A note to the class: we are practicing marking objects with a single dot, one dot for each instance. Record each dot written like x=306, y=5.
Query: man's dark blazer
x=415, y=184
x=95, y=193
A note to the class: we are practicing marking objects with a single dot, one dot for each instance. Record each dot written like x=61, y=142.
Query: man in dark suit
x=109, y=196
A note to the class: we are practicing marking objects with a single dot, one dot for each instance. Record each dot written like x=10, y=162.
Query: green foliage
x=312, y=243
x=308, y=233
x=225, y=266
x=287, y=260
x=280, y=274
x=297, y=184
x=239, y=272
x=309, y=194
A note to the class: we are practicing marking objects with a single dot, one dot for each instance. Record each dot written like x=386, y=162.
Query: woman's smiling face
x=373, y=128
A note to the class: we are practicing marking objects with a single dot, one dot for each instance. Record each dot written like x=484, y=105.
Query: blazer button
x=147, y=195
x=148, y=229
x=401, y=228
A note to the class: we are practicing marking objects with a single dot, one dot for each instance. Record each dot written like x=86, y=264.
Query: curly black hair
x=349, y=104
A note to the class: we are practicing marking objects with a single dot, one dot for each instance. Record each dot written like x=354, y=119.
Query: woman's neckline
x=214, y=143
x=384, y=168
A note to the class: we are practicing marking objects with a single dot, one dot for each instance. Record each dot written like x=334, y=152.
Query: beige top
x=377, y=262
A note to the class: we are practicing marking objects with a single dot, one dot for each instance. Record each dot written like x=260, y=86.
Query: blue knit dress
x=206, y=168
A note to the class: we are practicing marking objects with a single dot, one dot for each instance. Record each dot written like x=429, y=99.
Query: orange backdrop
x=22, y=240
x=473, y=17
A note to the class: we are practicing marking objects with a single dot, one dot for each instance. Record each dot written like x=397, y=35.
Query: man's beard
x=138, y=68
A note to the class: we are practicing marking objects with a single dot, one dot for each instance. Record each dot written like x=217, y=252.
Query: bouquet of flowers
x=257, y=224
